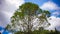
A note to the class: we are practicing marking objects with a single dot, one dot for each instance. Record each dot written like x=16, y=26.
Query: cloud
x=7, y=8
x=10, y=33
x=2, y=31
x=56, y=13
x=49, y=6
x=15, y=2
x=54, y=21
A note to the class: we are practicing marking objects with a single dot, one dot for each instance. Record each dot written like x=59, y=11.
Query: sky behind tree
x=8, y=7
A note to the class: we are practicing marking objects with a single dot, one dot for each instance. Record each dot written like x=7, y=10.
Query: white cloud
x=54, y=21
x=1, y=31
x=49, y=6
x=56, y=13
x=7, y=8
x=10, y=33
x=15, y=2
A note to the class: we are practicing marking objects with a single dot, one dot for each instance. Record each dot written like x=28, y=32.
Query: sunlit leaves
x=19, y=14
x=29, y=8
x=25, y=16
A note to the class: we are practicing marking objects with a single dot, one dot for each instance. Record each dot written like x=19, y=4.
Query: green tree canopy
x=28, y=17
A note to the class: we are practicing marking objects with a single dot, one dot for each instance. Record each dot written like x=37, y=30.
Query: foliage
x=40, y=32
x=24, y=18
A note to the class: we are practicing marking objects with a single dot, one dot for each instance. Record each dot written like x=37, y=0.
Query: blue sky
x=8, y=7
x=41, y=2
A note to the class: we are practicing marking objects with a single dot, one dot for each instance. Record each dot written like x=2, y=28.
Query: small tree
x=28, y=17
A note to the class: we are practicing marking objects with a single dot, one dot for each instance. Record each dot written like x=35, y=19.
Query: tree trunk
x=29, y=22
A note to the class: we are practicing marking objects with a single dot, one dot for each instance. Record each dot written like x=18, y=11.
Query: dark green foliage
x=24, y=16
x=40, y=32
x=29, y=8
x=47, y=13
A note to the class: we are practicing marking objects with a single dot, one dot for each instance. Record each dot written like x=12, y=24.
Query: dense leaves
x=29, y=8
x=23, y=18
x=40, y=32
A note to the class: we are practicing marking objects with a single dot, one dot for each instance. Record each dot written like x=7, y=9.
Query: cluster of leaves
x=40, y=32
x=26, y=14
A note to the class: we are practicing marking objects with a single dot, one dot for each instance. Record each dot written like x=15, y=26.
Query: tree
x=24, y=18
